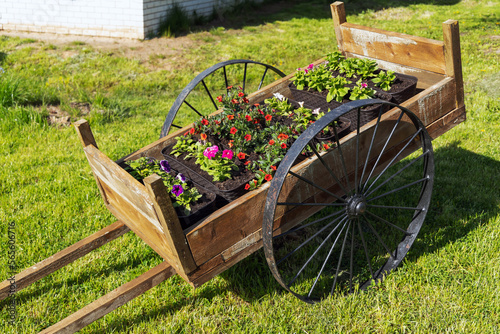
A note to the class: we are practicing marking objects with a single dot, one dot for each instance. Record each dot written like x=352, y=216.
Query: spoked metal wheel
x=340, y=219
x=197, y=99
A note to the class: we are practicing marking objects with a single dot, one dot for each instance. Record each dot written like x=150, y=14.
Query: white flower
x=279, y=96
x=301, y=104
x=316, y=111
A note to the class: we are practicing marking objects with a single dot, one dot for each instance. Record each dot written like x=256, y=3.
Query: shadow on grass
x=465, y=197
x=270, y=11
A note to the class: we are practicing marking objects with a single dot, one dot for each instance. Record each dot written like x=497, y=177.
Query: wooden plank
x=112, y=300
x=447, y=122
x=451, y=37
x=168, y=218
x=425, y=78
x=338, y=16
x=64, y=257
x=419, y=52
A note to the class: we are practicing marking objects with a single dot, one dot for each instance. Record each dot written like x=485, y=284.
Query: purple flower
x=228, y=154
x=210, y=152
x=164, y=166
x=177, y=190
x=181, y=177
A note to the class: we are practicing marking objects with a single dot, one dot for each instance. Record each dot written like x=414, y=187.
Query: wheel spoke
x=312, y=237
x=210, y=95
x=356, y=185
x=245, y=77
x=351, y=269
x=225, y=78
x=371, y=146
x=400, y=188
x=366, y=249
x=393, y=207
x=394, y=159
x=342, y=159
x=379, y=238
x=176, y=126
x=311, y=204
x=340, y=259
x=308, y=224
x=328, y=168
x=190, y=106
x=395, y=174
x=316, y=186
x=388, y=223
x=326, y=259
x=263, y=77
x=385, y=145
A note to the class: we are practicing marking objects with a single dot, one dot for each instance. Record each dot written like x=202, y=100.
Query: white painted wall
x=111, y=18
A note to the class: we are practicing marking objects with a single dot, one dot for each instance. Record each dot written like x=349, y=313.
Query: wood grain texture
x=419, y=52
x=170, y=222
x=451, y=37
x=64, y=257
x=338, y=16
x=112, y=300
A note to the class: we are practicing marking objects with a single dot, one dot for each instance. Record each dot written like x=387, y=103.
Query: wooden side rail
x=112, y=300
x=64, y=257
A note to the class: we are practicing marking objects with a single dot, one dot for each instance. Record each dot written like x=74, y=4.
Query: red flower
x=187, y=132
x=261, y=112
x=255, y=182
x=245, y=100
x=256, y=105
x=230, y=143
x=230, y=117
x=229, y=87
x=217, y=122
x=256, y=121
x=219, y=98
x=268, y=117
x=247, y=186
x=248, y=137
x=191, y=131
x=268, y=177
x=248, y=118
x=283, y=145
x=241, y=155
x=282, y=136
x=241, y=94
x=203, y=136
x=326, y=146
x=246, y=163
x=273, y=167
x=204, y=121
x=234, y=101
x=233, y=130
x=271, y=142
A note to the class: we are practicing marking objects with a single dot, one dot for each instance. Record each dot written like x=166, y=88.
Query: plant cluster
x=180, y=192
x=257, y=136
x=321, y=77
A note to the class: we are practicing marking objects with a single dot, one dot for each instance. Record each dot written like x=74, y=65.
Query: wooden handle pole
x=453, y=59
x=338, y=16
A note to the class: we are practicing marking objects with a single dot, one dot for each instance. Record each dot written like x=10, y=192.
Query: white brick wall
x=115, y=18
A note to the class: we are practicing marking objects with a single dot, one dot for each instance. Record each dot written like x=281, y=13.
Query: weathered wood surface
x=170, y=222
x=451, y=37
x=64, y=257
x=112, y=300
x=130, y=202
x=419, y=52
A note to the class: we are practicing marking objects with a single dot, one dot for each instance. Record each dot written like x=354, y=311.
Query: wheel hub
x=356, y=206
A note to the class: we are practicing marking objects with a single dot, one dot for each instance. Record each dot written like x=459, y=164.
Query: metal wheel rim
x=199, y=79
x=286, y=165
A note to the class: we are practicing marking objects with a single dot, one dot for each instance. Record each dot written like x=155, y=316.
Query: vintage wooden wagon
x=357, y=239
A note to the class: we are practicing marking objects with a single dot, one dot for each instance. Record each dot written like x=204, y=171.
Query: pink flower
x=310, y=67
x=210, y=152
x=228, y=154
x=363, y=85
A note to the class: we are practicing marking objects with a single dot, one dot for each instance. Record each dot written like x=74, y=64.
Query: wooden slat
x=112, y=300
x=338, y=16
x=425, y=78
x=64, y=257
x=171, y=225
x=447, y=122
x=453, y=58
x=419, y=52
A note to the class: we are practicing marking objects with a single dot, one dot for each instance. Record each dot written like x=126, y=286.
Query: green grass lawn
x=448, y=282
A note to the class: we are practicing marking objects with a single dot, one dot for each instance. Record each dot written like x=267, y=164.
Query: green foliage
x=175, y=22
x=361, y=91
x=384, y=79
x=337, y=89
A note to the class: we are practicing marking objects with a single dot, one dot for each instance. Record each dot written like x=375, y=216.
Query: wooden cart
x=298, y=190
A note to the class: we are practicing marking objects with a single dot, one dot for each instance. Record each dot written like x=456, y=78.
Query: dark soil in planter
x=342, y=130
x=199, y=210
x=403, y=88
